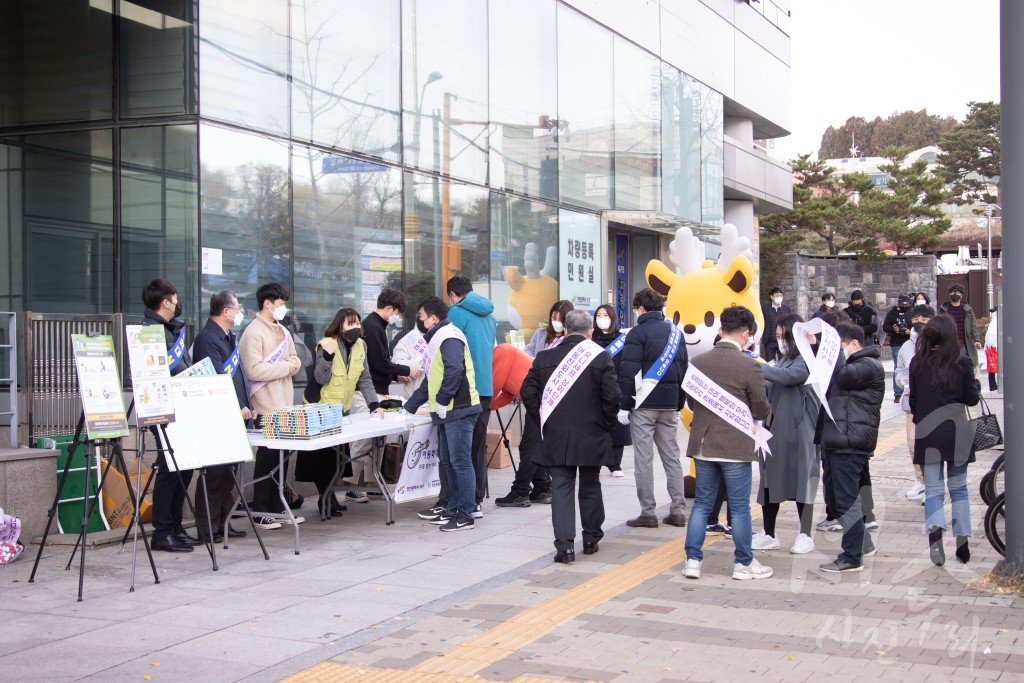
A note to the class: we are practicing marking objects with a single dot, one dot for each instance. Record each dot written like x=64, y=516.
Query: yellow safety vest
x=344, y=380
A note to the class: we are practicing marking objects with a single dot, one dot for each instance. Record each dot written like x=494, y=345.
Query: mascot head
x=697, y=295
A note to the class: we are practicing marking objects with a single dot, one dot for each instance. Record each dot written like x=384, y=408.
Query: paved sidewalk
x=369, y=602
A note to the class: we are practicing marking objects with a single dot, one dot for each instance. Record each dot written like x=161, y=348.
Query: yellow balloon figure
x=532, y=296
x=697, y=295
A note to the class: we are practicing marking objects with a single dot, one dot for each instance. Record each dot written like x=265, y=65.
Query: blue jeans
x=737, y=476
x=934, y=496
x=456, y=445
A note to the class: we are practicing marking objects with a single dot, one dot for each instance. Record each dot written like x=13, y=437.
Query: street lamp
x=988, y=224
x=433, y=77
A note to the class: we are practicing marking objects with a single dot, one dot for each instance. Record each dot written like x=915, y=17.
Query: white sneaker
x=869, y=525
x=618, y=473
x=266, y=523
x=691, y=569
x=915, y=492
x=298, y=520
x=478, y=511
x=763, y=541
x=754, y=570
x=803, y=545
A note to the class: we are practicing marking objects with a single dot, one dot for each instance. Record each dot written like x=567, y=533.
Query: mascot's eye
x=709, y=319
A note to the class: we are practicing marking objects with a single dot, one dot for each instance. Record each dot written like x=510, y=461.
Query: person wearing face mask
x=855, y=398
x=340, y=375
x=606, y=332
x=269, y=361
x=922, y=299
x=217, y=342
x=552, y=335
x=897, y=329
x=919, y=316
x=828, y=304
x=967, y=334
x=861, y=314
x=391, y=305
x=773, y=311
x=163, y=308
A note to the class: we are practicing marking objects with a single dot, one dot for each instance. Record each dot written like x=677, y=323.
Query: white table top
x=363, y=426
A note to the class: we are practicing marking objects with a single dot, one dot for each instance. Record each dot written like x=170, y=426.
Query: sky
x=876, y=57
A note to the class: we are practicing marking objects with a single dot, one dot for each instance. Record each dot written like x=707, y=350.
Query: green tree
x=909, y=216
x=971, y=155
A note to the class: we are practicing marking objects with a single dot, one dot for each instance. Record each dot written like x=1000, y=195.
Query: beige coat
x=258, y=341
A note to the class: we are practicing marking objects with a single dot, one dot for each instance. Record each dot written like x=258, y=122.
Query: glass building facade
x=337, y=147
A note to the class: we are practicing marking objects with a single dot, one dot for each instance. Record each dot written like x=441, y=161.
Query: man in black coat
x=573, y=393
x=773, y=311
x=897, y=326
x=162, y=308
x=862, y=315
x=855, y=399
x=217, y=342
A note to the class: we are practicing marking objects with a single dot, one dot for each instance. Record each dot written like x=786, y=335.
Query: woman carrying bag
x=339, y=375
x=942, y=382
x=606, y=331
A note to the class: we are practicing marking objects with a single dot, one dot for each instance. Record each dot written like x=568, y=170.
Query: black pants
x=616, y=459
x=220, y=487
x=265, y=496
x=168, y=496
x=530, y=473
x=847, y=472
x=716, y=511
x=992, y=383
x=770, y=513
x=563, y=505
x=771, y=350
x=479, y=455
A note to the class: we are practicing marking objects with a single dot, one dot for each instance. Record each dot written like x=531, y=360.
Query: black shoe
x=675, y=520
x=963, y=551
x=541, y=498
x=649, y=522
x=171, y=544
x=235, y=533
x=838, y=566
x=513, y=500
x=935, y=549
x=590, y=548
x=183, y=538
x=565, y=556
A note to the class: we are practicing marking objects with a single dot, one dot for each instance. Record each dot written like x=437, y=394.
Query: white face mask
x=603, y=323
x=238, y=319
x=280, y=312
x=777, y=300
x=395, y=319
x=557, y=326
x=830, y=304
x=783, y=347
x=920, y=302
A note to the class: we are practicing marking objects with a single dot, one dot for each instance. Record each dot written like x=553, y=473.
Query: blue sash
x=231, y=364
x=616, y=346
x=661, y=366
x=177, y=350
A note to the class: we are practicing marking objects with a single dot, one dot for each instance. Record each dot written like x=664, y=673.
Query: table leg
x=282, y=471
x=375, y=467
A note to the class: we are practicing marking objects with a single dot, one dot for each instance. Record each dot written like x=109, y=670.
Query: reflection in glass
x=680, y=136
x=160, y=213
x=637, y=118
x=445, y=86
x=579, y=248
x=157, y=57
x=585, y=110
x=245, y=212
x=443, y=239
x=243, y=61
x=524, y=97
x=712, y=157
x=347, y=240
x=345, y=66
x=524, y=263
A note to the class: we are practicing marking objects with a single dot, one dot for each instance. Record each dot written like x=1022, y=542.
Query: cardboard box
x=497, y=455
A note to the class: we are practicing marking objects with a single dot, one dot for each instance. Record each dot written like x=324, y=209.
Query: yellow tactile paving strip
x=459, y=664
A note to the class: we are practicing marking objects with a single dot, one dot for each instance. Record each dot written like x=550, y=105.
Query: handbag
x=985, y=430
x=992, y=359
x=394, y=458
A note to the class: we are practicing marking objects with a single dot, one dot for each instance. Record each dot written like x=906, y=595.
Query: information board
x=151, y=376
x=100, y=386
x=208, y=428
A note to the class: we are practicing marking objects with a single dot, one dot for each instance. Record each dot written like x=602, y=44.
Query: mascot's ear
x=739, y=275
x=660, y=277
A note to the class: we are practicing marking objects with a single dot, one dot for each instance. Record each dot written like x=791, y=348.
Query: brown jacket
x=258, y=341
x=741, y=376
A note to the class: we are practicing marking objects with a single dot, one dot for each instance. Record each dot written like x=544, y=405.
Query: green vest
x=436, y=375
x=344, y=380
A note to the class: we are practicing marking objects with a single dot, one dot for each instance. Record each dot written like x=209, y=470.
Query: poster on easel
x=99, y=386
x=208, y=428
x=151, y=375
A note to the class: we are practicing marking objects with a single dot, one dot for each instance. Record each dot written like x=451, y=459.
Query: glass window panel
x=637, y=127
x=712, y=165
x=68, y=222
x=445, y=86
x=524, y=263
x=55, y=62
x=524, y=97
x=347, y=241
x=245, y=212
x=11, y=217
x=680, y=137
x=157, y=57
x=243, y=63
x=160, y=214
x=579, y=248
x=446, y=234
x=585, y=110
x=345, y=63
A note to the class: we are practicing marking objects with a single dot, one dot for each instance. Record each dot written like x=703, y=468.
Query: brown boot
x=648, y=521
x=675, y=520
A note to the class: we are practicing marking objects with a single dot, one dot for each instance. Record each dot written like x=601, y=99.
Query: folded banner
x=565, y=376
x=822, y=365
x=420, y=477
x=706, y=392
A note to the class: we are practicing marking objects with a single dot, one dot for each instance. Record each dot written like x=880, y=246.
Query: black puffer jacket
x=644, y=345
x=855, y=398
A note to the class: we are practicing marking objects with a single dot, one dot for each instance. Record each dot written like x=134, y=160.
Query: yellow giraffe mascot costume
x=699, y=290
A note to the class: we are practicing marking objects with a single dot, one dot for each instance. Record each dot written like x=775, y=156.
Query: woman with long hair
x=791, y=472
x=340, y=374
x=606, y=331
x=552, y=335
x=943, y=382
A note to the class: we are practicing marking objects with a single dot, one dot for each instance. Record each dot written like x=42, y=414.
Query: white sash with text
x=706, y=392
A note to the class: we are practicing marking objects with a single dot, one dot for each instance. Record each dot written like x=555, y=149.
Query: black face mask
x=955, y=297
x=904, y=308
x=918, y=327
x=421, y=327
x=177, y=310
x=856, y=307
x=352, y=336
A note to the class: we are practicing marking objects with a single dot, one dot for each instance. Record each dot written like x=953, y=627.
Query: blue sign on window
x=350, y=165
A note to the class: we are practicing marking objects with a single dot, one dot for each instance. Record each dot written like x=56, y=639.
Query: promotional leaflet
x=151, y=376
